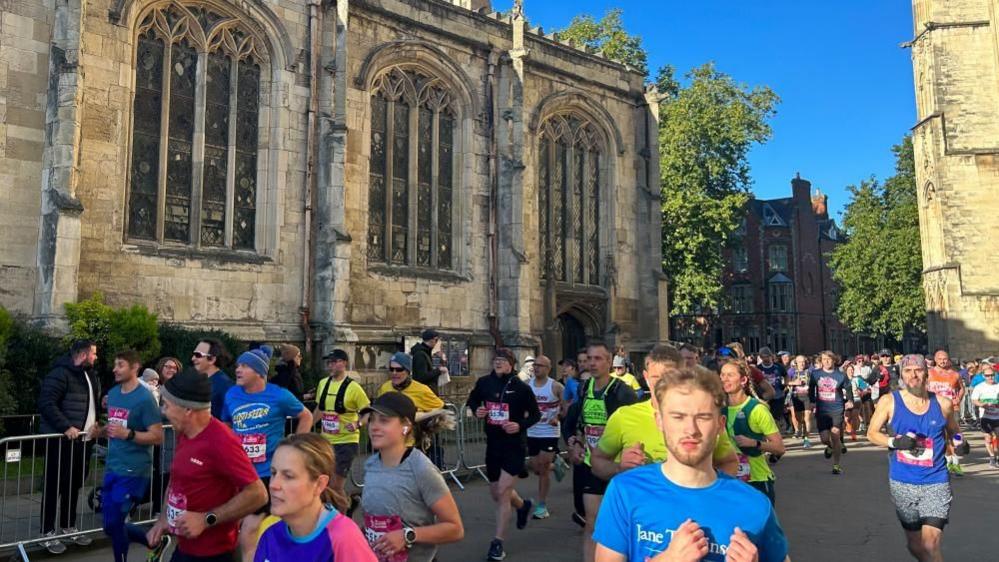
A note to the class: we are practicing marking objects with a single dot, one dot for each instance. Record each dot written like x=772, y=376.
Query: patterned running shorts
x=921, y=504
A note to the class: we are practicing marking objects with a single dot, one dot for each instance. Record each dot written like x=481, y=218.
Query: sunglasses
x=200, y=355
x=397, y=370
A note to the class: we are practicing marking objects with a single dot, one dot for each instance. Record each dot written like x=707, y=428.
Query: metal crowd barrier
x=49, y=477
x=37, y=480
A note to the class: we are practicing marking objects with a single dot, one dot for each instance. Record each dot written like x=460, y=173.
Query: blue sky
x=845, y=84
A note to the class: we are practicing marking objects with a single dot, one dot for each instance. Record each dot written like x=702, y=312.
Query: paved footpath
x=827, y=518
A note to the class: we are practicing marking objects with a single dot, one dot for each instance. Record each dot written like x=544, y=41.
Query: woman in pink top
x=311, y=529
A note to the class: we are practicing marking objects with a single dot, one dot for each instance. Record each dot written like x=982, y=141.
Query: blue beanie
x=403, y=359
x=257, y=359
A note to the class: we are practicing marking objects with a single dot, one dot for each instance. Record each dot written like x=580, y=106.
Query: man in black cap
x=423, y=363
x=212, y=485
x=339, y=399
x=884, y=375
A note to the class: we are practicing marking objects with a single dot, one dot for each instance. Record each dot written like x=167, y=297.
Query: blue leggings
x=120, y=494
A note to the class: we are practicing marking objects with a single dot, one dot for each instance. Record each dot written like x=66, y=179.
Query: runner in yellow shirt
x=621, y=373
x=400, y=380
x=632, y=437
x=339, y=399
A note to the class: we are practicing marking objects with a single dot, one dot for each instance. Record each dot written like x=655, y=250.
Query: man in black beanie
x=213, y=484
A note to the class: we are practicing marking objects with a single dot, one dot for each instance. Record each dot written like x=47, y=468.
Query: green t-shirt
x=762, y=422
x=334, y=426
x=636, y=423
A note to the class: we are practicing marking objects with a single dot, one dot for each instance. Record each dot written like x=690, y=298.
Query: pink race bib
x=498, y=413
x=255, y=445
x=376, y=526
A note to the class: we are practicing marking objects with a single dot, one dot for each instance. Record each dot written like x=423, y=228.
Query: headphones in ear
x=405, y=431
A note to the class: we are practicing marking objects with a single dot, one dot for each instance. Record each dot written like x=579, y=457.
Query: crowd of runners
x=674, y=461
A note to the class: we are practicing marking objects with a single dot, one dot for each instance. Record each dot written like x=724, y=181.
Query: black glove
x=902, y=443
x=963, y=449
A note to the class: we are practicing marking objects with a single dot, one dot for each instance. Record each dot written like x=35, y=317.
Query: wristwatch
x=409, y=535
x=211, y=519
x=131, y=435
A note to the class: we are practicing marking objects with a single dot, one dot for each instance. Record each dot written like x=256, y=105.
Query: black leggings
x=579, y=478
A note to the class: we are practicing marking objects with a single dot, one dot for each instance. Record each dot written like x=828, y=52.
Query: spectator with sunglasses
x=401, y=380
x=208, y=359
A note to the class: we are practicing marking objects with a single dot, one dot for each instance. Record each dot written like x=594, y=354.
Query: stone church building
x=955, y=59
x=339, y=173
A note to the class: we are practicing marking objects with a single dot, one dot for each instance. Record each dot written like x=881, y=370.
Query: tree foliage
x=879, y=267
x=113, y=329
x=608, y=37
x=707, y=128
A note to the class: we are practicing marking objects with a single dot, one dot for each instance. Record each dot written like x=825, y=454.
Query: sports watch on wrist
x=131, y=435
x=211, y=519
x=409, y=535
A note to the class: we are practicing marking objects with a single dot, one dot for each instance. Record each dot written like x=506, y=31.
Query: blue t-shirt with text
x=258, y=421
x=134, y=410
x=634, y=521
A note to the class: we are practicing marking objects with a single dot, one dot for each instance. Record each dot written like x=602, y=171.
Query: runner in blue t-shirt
x=711, y=516
x=134, y=426
x=257, y=410
x=829, y=390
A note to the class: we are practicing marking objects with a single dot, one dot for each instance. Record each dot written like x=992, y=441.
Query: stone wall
x=69, y=222
x=956, y=70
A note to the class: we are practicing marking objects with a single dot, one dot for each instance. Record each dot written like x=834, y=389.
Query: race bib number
x=548, y=411
x=941, y=388
x=331, y=422
x=118, y=416
x=376, y=526
x=593, y=434
x=255, y=445
x=922, y=455
x=176, y=508
x=743, y=472
x=498, y=413
x=827, y=390
x=990, y=407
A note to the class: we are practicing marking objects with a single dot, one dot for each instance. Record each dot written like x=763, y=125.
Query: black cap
x=189, y=389
x=394, y=405
x=336, y=355
x=429, y=334
x=885, y=352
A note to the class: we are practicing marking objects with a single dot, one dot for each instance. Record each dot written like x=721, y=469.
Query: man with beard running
x=829, y=390
x=507, y=407
x=920, y=424
x=682, y=509
x=599, y=398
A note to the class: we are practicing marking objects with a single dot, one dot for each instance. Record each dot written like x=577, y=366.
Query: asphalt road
x=827, y=518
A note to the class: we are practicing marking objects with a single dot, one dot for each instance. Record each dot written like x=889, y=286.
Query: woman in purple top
x=311, y=529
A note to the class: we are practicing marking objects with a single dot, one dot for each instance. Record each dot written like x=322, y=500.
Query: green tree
x=608, y=37
x=879, y=267
x=707, y=127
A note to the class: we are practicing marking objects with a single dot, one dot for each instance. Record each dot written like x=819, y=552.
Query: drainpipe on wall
x=493, y=198
x=315, y=27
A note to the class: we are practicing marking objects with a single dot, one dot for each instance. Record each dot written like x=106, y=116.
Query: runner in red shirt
x=212, y=484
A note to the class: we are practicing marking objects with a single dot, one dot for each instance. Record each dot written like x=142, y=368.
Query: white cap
x=150, y=375
x=619, y=361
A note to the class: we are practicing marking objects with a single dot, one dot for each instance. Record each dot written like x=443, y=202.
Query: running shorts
x=921, y=504
x=799, y=404
x=345, y=453
x=828, y=420
x=989, y=426
x=508, y=458
x=536, y=445
x=592, y=484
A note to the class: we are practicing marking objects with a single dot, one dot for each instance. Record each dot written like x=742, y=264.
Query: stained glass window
x=201, y=91
x=569, y=173
x=411, y=174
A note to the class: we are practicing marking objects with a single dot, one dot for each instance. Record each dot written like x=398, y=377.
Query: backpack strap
x=325, y=393
x=341, y=393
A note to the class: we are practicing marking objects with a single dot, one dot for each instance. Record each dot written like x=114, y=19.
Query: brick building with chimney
x=779, y=288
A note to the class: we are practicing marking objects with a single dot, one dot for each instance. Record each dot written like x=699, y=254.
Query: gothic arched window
x=569, y=185
x=412, y=171
x=193, y=177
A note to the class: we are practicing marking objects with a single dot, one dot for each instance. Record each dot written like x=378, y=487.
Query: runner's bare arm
x=603, y=464
x=448, y=528
x=605, y=554
x=152, y=436
x=248, y=500
x=728, y=464
x=304, y=421
x=773, y=444
x=767, y=391
x=881, y=416
x=947, y=407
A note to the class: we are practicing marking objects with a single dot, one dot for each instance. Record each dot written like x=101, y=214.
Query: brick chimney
x=801, y=189
x=820, y=204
